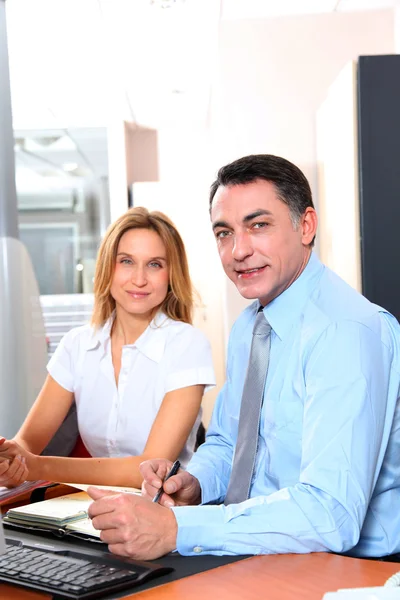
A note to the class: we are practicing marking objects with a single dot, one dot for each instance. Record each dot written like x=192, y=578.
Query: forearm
x=97, y=471
x=25, y=444
x=298, y=520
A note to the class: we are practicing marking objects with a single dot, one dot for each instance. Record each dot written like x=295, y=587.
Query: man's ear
x=308, y=224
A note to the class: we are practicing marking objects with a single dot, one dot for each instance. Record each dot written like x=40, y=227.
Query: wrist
x=34, y=466
x=172, y=532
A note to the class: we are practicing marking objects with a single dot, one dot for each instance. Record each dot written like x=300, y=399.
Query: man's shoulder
x=335, y=299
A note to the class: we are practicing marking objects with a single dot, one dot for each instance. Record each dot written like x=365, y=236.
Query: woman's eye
x=155, y=265
x=125, y=261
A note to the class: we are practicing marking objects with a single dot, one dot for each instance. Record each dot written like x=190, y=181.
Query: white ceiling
x=77, y=64
x=255, y=9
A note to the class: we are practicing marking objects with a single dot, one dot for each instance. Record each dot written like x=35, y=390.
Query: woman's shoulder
x=83, y=335
x=179, y=331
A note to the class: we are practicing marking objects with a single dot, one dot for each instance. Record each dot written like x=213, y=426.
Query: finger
x=166, y=501
x=120, y=550
x=175, y=483
x=105, y=522
x=6, y=444
x=96, y=493
x=149, y=490
x=105, y=504
x=4, y=466
x=14, y=466
x=155, y=471
x=19, y=476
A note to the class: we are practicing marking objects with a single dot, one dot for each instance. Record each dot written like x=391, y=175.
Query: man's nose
x=242, y=247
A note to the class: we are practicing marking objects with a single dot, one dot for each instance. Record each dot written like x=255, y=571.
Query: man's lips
x=249, y=273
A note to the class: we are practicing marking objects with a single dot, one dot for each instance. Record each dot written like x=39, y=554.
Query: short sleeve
x=189, y=360
x=60, y=366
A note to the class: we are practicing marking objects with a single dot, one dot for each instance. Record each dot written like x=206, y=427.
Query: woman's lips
x=138, y=295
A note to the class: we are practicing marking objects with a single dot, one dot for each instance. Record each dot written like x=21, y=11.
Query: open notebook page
x=113, y=488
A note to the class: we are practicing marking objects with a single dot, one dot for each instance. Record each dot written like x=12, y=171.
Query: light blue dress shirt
x=327, y=475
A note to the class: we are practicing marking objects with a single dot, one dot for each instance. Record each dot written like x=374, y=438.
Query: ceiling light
x=70, y=166
x=46, y=140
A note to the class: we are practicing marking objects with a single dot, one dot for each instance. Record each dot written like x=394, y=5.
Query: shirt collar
x=286, y=308
x=100, y=335
x=151, y=343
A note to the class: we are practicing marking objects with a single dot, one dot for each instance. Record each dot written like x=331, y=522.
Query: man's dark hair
x=291, y=185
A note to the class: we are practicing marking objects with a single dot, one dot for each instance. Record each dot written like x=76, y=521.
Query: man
x=325, y=474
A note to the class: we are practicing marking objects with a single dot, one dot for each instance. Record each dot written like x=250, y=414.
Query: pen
x=173, y=471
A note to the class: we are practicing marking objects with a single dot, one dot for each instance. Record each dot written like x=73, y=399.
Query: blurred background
x=138, y=102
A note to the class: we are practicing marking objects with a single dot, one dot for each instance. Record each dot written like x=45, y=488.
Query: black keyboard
x=71, y=574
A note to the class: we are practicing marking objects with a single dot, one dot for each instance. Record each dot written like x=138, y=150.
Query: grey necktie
x=250, y=411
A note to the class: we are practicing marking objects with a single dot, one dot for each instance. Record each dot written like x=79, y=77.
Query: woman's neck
x=128, y=328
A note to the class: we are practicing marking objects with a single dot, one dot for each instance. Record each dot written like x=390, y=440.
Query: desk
x=278, y=577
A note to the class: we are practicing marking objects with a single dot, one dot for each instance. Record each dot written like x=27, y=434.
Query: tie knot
x=261, y=326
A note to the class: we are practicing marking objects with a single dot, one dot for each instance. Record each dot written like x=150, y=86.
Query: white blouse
x=116, y=421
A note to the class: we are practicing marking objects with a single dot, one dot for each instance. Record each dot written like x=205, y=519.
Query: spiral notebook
x=64, y=515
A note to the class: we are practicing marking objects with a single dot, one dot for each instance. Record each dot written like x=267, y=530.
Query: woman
x=137, y=373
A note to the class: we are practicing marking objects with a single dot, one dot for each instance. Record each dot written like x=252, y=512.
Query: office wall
x=397, y=30
x=273, y=75
x=185, y=174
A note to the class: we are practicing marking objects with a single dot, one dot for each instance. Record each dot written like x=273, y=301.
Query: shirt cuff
x=200, y=376
x=200, y=530
x=60, y=375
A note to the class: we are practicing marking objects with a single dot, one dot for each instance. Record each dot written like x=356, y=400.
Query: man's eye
x=261, y=225
x=221, y=234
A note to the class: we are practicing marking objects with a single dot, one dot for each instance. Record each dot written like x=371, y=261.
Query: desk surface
x=283, y=577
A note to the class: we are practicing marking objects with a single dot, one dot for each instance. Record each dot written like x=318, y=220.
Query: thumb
x=96, y=493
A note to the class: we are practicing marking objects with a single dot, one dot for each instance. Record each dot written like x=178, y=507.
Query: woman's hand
x=11, y=448
x=13, y=471
x=13, y=463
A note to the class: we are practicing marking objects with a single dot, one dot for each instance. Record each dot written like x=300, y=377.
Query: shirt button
x=198, y=549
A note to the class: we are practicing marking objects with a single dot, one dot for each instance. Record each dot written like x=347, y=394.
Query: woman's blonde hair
x=178, y=304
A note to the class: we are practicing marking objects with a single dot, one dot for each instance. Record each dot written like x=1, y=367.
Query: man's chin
x=247, y=294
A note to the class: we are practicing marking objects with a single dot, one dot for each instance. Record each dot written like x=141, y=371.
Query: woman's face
x=141, y=275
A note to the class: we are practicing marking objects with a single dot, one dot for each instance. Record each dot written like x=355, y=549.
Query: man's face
x=260, y=249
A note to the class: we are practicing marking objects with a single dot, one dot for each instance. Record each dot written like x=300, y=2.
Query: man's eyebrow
x=257, y=213
x=219, y=224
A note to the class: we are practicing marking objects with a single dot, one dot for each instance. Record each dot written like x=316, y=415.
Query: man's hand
x=181, y=489
x=131, y=525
